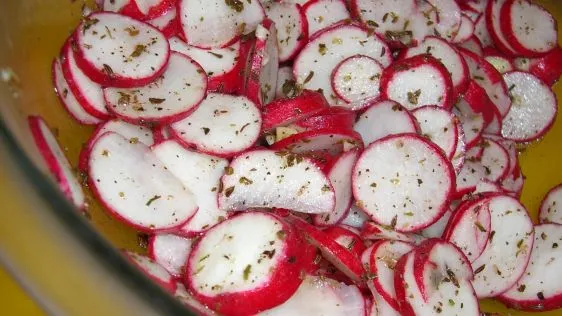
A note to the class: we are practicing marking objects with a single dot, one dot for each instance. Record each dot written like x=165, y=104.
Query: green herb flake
x=152, y=199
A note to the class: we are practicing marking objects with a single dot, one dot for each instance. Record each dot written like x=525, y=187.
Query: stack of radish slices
x=320, y=157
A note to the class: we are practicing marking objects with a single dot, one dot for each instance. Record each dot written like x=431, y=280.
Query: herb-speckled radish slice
x=481, y=33
x=56, y=161
x=418, y=81
x=218, y=23
x=495, y=160
x=285, y=83
x=529, y=28
x=507, y=253
x=222, y=125
x=284, y=111
x=394, y=177
x=135, y=186
x=460, y=152
x=317, y=60
x=472, y=45
x=539, y=289
x=322, y=296
x=384, y=118
x=465, y=31
x=167, y=23
x=247, y=264
x=472, y=122
x=551, y=206
x=493, y=22
x=201, y=174
x=138, y=9
x=292, y=27
x=87, y=92
x=118, y=51
x=68, y=99
x=264, y=65
x=439, y=126
x=332, y=140
x=502, y=63
x=170, y=251
x=264, y=178
x=356, y=80
x=448, y=20
x=340, y=177
x=170, y=98
x=534, y=107
x=321, y=14
x=153, y=270
x=373, y=231
x=348, y=237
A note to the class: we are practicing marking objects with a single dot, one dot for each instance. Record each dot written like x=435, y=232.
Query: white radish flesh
x=356, y=80
x=171, y=252
x=551, y=206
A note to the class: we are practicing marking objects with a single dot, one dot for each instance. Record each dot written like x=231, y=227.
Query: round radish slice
x=340, y=177
x=507, y=253
x=448, y=18
x=331, y=140
x=56, y=161
x=322, y=296
x=168, y=99
x=332, y=117
x=439, y=126
x=472, y=122
x=465, y=31
x=373, y=231
x=534, y=107
x=493, y=22
x=514, y=182
x=188, y=300
x=170, y=251
x=384, y=118
x=217, y=23
x=246, y=264
x=321, y=14
x=201, y=174
x=529, y=28
x=87, y=92
x=285, y=111
x=222, y=125
x=448, y=56
x=286, y=86
x=167, y=23
x=393, y=178
x=153, y=270
x=356, y=80
x=501, y=63
x=135, y=186
x=418, y=81
x=539, y=288
x=292, y=27
x=117, y=51
x=482, y=34
x=264, y=178
x=551, y=206
x=68, y=99
x=317, y=60
x=495, y=160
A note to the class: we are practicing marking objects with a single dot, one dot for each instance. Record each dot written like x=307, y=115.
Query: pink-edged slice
x=481, y=33
x=332, y=140
x=167, y=23
x=394, y=176
x=170, y=251
x=321, y=14
x=551, y=207
x=374, y=231
x=264, y=65
x=439, y=126
x=332, y=117
x=265, y=178
x=493, y=24
x=118, y=51
x=152, y=270
x=472, y=45
x=292, y=27
x=356, y=80
x=284, y=111
x=465, y=31
x=502, y=63
x=138, y=9
x=472, y=122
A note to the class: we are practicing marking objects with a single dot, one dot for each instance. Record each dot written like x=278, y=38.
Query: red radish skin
x=138, y=9
x=373, y=231
x=332, y=117
x=167, y=23
x=347, y=237
x=466, y=30
x=550, y=210
x=331, y=140
x=492, y=15
x=285, y=111
x=549, y=67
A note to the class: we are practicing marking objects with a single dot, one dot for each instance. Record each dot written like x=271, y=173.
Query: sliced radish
x=161, y=133
x=472, y=122
x=487, y=186
x=331, y=140
x=460, y=152
x=87, y=92
x=321, y=14
x=118, y=51
x=473, y=45
x=167, y=23
x=68, y=99
x=448, y=18
x=355, y=217
x=356, y=80
x=188, y=300
x=393, y=178
x=551, y=207
x=153, y=270
x=201, y=174
x=534, y=109
x=384, y=118
x=529, y=28
x=481, y=32
x=348, y=237
x=170, y=98
x=437, y=229
x=539, y=288
x=292, y=27
x=170, y=251
x=465, y=31
x=222, y=125
x=340, y=178
x=286, y=111
x=247, y=264
x=264, y=178
x=418, y=81
x=218, y=23
x=55, y=160
x=373, y=231
x=501, y=63
x=507, y=253
x=317, y=60
x=439, y=126
x=549, y=67
x=511, y=149
x=476, y=97
x=514, y=182
x=262, y=80
x=286, y=85
x=493, y=23
x=135, y=187
x=495, y=126
x=322, y=296
x=332, y=117
x=447, y=55
x=138, y=9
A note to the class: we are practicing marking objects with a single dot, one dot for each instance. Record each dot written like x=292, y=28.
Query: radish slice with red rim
x=264, y=178
x=465, y=30
x=321, y=14
x=135, y=186
x=439, y=126
x=409, y=169
x=501, y=63
x=170, y=251
x=56, y=161
x=481, y=32
x=332, y=117
x=138, y=9
x=153, y=270
x=222, y=125
x=286, y=111
x=493, y=22
x=551, y=206
x=472, y=122
x=460, y=152
x=118, y=51
x=170, y=98
x=384, y=118
x=330, y=140
x=286, y=85
x=374, y=231
x=473, y=45
x=448, y=18
x=348, y=237
x=437, y=229
x=167, y=23
x=292, y=27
